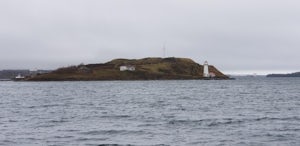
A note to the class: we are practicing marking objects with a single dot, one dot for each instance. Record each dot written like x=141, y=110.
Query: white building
x=205, y=70
x=127, y=68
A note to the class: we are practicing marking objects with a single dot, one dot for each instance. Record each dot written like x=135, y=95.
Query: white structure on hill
x=127, y=68
x=205, y=70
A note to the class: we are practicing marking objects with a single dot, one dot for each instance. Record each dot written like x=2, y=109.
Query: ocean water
x=247, y=111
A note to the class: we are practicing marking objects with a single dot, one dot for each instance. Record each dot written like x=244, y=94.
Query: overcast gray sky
x=237, y=36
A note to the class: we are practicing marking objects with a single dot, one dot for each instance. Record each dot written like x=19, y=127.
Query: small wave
x=50, y=123
x=69, y=130
x=32, y=107
x=149, y=125
x=115, y=145
x=45, y=106
x=116, y=116
x=245, y=93
x=58, y=121
x=225, y=122
x=63, y=137
x=129, y=145
x=183, y=121
x=8, y=142
x=275, y=136
x=228, y=121
x=275, y=119
x=52, y=105
x=288, y=129
x=33, y=139
x=91, y=139
x=12, y=121
x=45, y=126
x=190, y=122
x=111, y=132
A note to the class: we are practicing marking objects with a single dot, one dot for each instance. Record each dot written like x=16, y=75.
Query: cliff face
x=145, y=69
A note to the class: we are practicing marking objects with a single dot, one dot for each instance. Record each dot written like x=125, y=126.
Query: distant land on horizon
x=12, y=73
x=296, y=74
x=132, y=69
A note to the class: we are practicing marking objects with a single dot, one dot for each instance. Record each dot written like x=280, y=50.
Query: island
x=134, y=69
x=296, y=74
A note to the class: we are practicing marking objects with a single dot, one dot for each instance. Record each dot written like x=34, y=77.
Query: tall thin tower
x=205, y=70
x=164, y=50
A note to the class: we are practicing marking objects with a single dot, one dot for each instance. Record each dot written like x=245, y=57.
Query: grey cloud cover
x=234, y=35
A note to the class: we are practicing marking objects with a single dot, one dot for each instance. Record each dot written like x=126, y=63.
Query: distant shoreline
x=5, y=80
x=296, y=74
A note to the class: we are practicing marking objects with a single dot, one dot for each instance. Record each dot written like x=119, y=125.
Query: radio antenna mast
x=164, y=50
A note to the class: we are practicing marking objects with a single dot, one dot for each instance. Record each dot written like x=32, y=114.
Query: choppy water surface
x=246, y=111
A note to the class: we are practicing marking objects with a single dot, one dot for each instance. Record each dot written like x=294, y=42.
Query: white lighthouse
x=205, y=70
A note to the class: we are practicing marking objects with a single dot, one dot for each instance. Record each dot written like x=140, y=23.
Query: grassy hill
x=145, y=69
